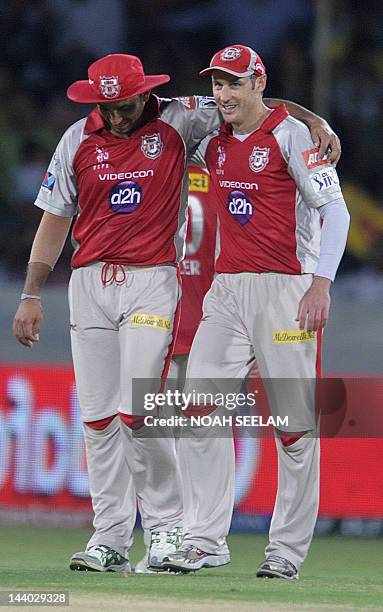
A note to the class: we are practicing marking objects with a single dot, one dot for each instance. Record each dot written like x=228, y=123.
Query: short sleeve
x=317, y=180
x=58, y=192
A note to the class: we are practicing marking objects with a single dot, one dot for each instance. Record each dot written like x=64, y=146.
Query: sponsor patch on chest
x=240, y=206
x=125, y=197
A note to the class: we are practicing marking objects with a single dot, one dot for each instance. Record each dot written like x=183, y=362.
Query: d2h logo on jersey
x=259, y=158
x=152, y=146
x=240, y=206
x=110, y=86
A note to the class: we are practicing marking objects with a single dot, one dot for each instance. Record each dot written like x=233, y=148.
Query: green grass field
x=340, y=574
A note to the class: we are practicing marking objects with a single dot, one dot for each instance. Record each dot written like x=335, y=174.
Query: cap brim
x=220, y=69
x=82, y=91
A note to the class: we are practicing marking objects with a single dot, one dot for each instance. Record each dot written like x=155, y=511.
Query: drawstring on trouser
x=112, y=272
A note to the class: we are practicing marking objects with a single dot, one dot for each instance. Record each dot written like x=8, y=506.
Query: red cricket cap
x=114, y=78
x=238, y=60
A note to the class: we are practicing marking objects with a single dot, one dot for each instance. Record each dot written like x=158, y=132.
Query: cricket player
x=283, y=229
x=122, y=173
x=197, y=271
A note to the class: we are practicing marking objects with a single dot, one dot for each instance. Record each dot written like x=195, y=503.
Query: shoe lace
x=173, y=537
x=107, y=554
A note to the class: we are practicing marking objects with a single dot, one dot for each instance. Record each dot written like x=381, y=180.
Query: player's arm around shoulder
x=321, y=132
x=194, y=117
x=47, y=246
x=316, y=178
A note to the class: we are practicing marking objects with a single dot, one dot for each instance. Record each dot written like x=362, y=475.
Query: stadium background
x=325, y=55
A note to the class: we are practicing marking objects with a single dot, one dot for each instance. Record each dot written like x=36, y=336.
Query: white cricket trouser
x=250, y=318
x=121, y=331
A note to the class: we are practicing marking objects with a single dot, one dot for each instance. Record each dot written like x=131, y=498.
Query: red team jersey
x=197, y=269
x=129, y=194
x=267, y=189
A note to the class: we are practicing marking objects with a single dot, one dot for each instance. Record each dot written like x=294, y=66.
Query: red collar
x=272, y=120
x=95, y=122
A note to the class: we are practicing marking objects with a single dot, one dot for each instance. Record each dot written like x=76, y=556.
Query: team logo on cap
x=110, y=86
x=230, y=54
x=152, y=146
x=259, y=159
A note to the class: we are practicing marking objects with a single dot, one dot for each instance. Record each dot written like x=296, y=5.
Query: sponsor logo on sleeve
x=311, y=158
x=259, y=158
x=239, y=206
x=187, y=101
x=324, y=179
x=56, y=161
x=152, y=145
x=205, y=102
x=141, y=319
x=125, y=197
x=48, y=181
x=293, y=336
x=198, y=182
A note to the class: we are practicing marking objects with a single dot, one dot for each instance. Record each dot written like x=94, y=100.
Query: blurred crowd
x=49, y=44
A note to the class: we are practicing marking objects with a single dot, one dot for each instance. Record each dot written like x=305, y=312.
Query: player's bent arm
x=46, y=249
x=315, y=304
x=321, y=132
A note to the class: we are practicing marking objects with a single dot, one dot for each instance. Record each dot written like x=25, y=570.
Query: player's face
x=124, y=117
x=237, y=98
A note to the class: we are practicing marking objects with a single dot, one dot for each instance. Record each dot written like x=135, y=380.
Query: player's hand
x=27, y=321
x=314, y=307
x=327, y=141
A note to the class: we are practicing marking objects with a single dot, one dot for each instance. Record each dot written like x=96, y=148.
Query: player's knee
x=100, y=424
x=132, y=421
x=288, y=438
x=199, y=410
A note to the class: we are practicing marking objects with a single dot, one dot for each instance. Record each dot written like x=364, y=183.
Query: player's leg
x=288, y=362
x=220, y=355
x=145, y=336
x=176, y=380
x=95, y=349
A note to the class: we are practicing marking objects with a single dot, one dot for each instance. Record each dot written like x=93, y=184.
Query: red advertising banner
x=43, y=466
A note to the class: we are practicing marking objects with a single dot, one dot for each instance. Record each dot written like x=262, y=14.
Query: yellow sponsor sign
x=198, y=182
x=141, y=319
x=292, y=336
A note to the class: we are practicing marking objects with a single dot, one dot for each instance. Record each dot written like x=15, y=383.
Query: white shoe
x=190, y=559
x=162, y=545
x=142, y=566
